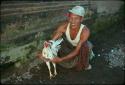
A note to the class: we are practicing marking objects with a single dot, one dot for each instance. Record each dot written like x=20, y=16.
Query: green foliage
x=4, y=46
x=105, y=22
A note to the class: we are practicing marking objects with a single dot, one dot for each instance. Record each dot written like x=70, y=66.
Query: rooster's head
x=46, y=44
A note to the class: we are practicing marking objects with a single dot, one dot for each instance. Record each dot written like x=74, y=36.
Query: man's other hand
x=56, y=60
x=39, y=55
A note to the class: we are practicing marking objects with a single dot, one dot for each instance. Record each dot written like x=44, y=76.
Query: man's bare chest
x=73, y=33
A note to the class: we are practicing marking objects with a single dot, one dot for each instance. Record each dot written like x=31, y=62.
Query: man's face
x=75, y=20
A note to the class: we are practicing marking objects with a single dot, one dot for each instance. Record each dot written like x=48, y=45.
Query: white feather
x=50, y=51
x=56, y=46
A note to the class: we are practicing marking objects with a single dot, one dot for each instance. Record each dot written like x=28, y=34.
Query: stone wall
x=21, y=22
x=26, y=18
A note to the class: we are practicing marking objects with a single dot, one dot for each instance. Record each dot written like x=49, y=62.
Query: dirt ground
x=100, y=73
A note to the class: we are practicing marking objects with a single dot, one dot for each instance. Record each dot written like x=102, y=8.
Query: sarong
x=79, y=61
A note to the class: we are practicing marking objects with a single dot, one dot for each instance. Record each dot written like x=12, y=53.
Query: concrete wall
x=107, y=7
x=25, y=18
x=21, y=22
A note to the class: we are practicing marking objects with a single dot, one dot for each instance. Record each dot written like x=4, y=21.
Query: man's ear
x=82, y=18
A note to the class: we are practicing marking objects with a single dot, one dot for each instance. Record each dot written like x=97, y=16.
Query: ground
x=101, y=73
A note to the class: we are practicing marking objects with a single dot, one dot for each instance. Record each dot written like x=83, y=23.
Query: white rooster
x=50, y=51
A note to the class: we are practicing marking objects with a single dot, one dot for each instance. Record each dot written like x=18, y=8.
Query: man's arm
x=60, y=30
x=58, y=33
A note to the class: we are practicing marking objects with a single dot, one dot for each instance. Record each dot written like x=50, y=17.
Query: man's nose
x=73, y=21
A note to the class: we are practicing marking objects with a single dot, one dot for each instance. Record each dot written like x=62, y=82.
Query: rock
x=112, y=51
x=98, y=54
x=18, y=64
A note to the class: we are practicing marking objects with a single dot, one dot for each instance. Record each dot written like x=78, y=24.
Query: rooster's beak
x=46, y=44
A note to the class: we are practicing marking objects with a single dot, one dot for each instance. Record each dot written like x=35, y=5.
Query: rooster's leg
x=50, y=73
x=55, y=72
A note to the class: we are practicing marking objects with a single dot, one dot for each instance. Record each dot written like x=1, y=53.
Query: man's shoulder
x=63, y=24
x=85, y=30
x=85, y=33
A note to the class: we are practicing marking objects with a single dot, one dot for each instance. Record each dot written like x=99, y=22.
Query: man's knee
x=90, y=45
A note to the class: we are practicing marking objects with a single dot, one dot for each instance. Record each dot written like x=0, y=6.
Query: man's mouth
x=73, y=24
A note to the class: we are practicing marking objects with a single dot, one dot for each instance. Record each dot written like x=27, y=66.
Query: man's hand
x=56, y=60
x=45, y=59
x=39, y=55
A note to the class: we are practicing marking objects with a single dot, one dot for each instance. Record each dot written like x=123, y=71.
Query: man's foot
x=78, y=68
x=89, y=67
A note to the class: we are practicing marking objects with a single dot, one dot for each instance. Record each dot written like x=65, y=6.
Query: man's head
x=75, y=16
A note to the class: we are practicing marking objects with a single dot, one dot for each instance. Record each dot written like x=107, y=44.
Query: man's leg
x=83, y=61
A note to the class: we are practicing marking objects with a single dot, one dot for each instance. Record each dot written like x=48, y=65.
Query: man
x=75, y=37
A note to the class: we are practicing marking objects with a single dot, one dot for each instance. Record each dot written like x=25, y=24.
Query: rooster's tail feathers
x=59, y=41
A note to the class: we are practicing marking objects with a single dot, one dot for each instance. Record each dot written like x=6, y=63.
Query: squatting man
x=75, y=49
